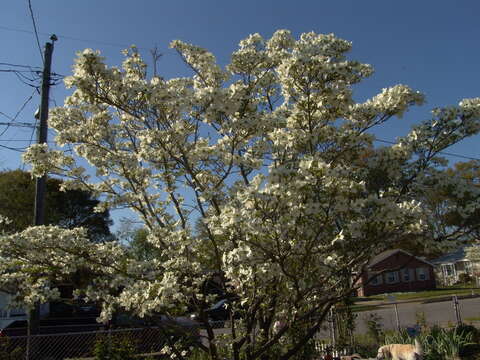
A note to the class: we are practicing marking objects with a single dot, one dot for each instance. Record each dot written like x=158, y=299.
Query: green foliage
x=296, y=334
x=140, y=246
x=366, y=346
x=398, y=337
x=437, y=343
x=447, y=343
x=67, y=209
x=6, y=351
x=465, y=278
x=345, y=321
x=114, y=348
x=470, y=329
x=421, y=319
x=374, y=327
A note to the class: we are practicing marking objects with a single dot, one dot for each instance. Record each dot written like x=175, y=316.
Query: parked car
x=52, y=326
x=219, y=313
x=181, y=326
x=73, y=309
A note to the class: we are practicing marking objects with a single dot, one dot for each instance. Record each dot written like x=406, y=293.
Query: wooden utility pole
x=39, y=218
x=40, y=186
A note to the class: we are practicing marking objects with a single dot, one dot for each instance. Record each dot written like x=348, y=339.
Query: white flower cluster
x=273, y=159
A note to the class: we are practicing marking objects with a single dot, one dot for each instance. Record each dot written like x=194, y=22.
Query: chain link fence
x=147, y=341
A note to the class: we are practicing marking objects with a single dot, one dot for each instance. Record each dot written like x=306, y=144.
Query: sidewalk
x=429, y=300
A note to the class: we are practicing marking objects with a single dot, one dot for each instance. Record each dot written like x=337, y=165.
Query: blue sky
x=432, y=46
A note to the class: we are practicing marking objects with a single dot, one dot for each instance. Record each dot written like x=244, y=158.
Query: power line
x=13, y=119
x=18, y=124
x=19, y=71
x=35, y=28
x=22, y=140
x=13, y=149
x=21, y=66
x=31, y=138
x=118, y=45
x=440, y=152
x=378, y=140
x=32, y=69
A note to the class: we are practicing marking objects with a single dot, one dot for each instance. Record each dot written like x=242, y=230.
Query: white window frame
x=422, y=272
x=394, y=280
x=407, y=275
x=376, y=280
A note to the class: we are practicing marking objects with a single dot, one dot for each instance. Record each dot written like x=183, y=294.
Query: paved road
x=440, y=313
x=435, y=313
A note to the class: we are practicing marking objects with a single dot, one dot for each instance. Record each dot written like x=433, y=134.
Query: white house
x=450, y=266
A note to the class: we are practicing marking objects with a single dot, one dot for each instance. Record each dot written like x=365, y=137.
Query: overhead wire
x=19, y=111
x=118, y=45
x=440, y=152
x=21, y=66
x=126, y=46
x=31, y=138
x=22, y=149
x=35, y=29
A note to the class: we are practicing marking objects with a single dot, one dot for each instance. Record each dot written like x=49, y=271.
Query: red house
x=396, y=271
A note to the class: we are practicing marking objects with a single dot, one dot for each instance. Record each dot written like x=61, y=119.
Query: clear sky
x=432, y=46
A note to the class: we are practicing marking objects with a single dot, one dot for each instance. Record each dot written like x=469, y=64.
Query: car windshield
x=219, y=304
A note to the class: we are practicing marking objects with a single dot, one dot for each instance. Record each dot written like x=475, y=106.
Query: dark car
x=175, y=328
x=73, y=309
x=219, y=313
x=52, y=326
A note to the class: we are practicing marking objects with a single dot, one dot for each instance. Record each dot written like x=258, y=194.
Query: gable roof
x=387, y=253
x=453, y=257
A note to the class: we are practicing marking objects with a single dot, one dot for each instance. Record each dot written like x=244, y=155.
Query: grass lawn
x=440, y=292
x=361, y=307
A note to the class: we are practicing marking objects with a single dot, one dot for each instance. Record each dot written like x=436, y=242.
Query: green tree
x=67, y=209
x=140, y=246
x=453, y=206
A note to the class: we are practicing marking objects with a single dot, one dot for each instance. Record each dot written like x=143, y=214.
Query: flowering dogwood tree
x=272, y=157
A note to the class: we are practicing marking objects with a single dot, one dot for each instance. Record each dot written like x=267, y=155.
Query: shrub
x=437, y=343
x=447, y=344
x=421, y=319
x=365, y=346
x=398, y=337
x=464, y=278
x=114, y=348
x=6, y=351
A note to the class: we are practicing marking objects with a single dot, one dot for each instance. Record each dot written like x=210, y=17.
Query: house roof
x=452, y=257
x=386, y=254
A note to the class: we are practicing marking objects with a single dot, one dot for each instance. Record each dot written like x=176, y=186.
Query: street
x=434, y=313
x=441, y=313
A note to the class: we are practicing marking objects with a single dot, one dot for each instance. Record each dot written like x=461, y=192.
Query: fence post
x=397, y=317
x=333, y=336
x=456, y=308
x=27, y=350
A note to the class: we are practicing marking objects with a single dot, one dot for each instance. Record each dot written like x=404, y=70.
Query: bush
x=473, y=348
x=450, y=343
x=470, y=329
x=374, y=327
x=464, y=278
x=398, y=337
x=437, y=343
x=114, y=348
x=6, y=351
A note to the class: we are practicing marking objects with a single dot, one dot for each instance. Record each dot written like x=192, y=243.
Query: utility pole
x=40, y=186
